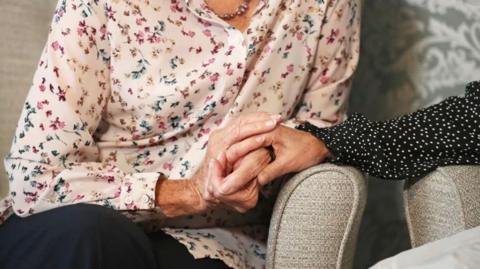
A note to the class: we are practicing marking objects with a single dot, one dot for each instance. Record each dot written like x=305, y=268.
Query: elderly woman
x=132, y=111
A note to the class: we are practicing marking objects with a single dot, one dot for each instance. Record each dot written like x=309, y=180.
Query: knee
x=102, y=231
x=86, y=236
x=83, y=216
x=86, y=222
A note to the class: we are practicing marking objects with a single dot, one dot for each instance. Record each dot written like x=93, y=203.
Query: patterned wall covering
x=414, y=53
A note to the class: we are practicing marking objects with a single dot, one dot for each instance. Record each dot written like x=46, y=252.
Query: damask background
x=414, y=53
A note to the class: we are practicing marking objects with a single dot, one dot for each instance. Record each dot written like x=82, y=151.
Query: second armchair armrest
x=444, y=202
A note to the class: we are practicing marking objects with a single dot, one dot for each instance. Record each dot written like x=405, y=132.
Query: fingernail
x=260, y=138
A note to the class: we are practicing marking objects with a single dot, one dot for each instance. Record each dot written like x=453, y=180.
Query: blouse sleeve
x=54, y=160
x=409, y=146
x=324, y=102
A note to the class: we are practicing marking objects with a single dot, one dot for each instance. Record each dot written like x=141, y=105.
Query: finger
x=227, y=167
x=244, y=174
x=210, y=192
x=237, y=163
x=251, y=201
x=216, y=172
x=240, y=195
x=252, y=117
x=207, y=185
x=217, y=178
x=222, y=160
x=242, y=148
x=273, y=170
x=244, y=199
x=239, y=132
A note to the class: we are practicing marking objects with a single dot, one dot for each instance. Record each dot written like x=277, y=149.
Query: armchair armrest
x=445, y=202
x=316, y=218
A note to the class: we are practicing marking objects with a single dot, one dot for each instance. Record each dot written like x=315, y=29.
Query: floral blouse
x=128, y=90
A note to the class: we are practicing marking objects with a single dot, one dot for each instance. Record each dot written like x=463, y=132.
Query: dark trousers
x=88, y=236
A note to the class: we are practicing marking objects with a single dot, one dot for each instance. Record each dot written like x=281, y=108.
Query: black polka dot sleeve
x=412, y=145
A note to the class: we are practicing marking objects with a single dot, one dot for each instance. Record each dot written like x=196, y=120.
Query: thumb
x=270, y=172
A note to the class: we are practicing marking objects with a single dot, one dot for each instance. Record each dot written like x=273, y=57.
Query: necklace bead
x=241, y=10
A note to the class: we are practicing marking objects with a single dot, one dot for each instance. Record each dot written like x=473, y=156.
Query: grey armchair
x=443, y=203
x=316, y=219
x=317, y=214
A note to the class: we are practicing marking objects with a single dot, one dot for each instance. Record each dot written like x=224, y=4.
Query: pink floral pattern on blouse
x=128, y=90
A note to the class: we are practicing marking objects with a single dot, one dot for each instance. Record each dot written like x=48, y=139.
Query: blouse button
x=128, y=200
x=146, y=199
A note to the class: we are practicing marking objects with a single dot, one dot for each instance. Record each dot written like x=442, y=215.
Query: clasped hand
x=238, y=164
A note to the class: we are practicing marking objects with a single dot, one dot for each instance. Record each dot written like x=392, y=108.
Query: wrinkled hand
x=294, y=150
x=245, y=170
x=237, y=130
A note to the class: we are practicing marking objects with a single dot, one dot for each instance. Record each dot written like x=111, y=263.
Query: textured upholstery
x=443, y=203
x=317, y=214
x=316, y=219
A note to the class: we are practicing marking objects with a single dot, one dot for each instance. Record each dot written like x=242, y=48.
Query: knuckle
x=209, y=189
x=263, y=178
x=207, y=197
x=260, y=139
x=219, y=193
x=216, y=194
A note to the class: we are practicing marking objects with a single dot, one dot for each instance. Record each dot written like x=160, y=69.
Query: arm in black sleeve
x=412, y=145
